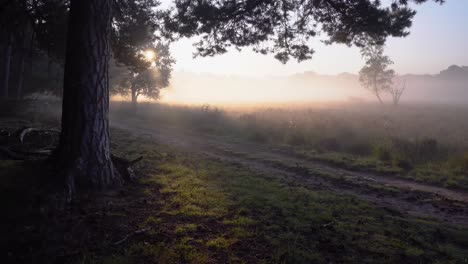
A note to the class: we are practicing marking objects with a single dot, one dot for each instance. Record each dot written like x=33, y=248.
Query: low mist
x=448, y=86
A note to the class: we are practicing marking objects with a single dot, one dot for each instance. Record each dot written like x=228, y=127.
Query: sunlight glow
x=149, y=55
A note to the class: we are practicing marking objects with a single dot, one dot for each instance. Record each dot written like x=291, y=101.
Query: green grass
x=402, y=142
x=211, y=212
x=449, y=174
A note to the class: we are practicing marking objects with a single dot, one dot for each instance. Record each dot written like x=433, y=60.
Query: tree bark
x=83, y=153
x=6, y=66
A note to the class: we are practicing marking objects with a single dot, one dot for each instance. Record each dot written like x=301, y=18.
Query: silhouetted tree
x=133, y=39
x=146, y=81
x=397, y=90
x=375, y=75
x=284, y=27
x=83, y=153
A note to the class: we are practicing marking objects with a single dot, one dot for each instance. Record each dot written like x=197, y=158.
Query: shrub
x=382, y=152
x=402, y=164
x=330, y=144
x=296, y=139
x=359, y=148
x=465, y=161
x=419, y=151
x=258, y=137
x=428, y=148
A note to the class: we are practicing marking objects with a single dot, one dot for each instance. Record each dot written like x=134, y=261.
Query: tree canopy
x=148, y=61
x=284, y=27
x=375, y=75
x=146, y=75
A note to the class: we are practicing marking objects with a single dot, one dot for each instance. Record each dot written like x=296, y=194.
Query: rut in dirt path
x=403, y=196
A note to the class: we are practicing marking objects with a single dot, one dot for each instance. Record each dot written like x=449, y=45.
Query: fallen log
x=26, y=131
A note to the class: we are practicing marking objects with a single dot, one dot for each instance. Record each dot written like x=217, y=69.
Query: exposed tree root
x=141, y=231
x=124, y=167
x=26, y=131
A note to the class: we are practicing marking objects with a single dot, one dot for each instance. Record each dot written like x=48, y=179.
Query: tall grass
x=402, y=138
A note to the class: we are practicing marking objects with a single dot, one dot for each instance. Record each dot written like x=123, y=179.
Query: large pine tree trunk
x=83, y=152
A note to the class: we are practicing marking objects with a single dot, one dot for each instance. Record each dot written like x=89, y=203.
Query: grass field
x=426, y=143
x=205, y=211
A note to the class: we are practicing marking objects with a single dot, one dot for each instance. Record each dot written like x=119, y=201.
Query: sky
x=438, y=39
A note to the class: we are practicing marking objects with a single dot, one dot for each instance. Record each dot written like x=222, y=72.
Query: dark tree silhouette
x=132, y=40
x=148, y=76
x=83, y=153
x=285, y=27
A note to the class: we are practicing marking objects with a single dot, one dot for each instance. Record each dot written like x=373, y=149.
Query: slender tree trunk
x=26, y=37
x=378, y=97
x=19, y=84
x=134, y=99
x=6, y=66
x=83, y=153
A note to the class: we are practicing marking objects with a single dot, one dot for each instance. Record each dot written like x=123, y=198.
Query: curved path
x=399, y=195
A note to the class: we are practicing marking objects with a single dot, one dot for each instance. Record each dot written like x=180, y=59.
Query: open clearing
x=406, y=196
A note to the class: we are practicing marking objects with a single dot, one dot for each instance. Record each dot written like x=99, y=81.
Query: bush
x=296, y=139
x=359, y=148
x=258, y=137
x=418, y=151
x=465, y=161
x=330, y=144
x=382, y=152
x=402, y=164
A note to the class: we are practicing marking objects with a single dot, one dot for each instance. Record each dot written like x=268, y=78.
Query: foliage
x=146, y=81
x=285, y=27
x=133, y=33
x=375, y=75
x=382, y=152
x=133, y=38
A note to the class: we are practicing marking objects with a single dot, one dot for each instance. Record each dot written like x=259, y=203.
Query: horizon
x=216, y=74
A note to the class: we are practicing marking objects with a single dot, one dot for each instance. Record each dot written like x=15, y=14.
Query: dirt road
x=397, y=195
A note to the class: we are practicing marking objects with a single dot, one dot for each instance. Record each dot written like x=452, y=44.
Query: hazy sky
x=439, y=38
